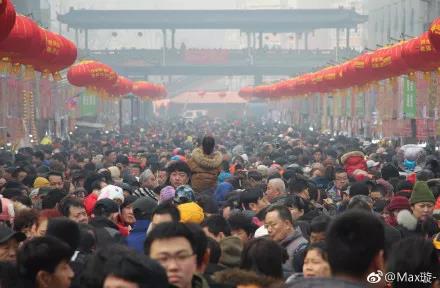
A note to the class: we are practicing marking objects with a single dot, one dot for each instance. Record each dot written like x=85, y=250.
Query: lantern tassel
x=57, y=76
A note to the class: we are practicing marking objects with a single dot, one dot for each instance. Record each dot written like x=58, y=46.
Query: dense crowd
x=215, y=203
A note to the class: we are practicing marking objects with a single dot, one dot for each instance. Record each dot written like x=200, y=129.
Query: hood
x=355, y=156
x=406, y=219
x=207, y=161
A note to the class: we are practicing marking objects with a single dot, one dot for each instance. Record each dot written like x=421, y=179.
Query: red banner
x=405, y=128
x=402, y=128
x=425, y=128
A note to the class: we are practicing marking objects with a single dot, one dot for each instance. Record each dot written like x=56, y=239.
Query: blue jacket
x=222, y=191
x=137, y=235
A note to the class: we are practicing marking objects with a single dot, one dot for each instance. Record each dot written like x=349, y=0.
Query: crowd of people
x=218, y=203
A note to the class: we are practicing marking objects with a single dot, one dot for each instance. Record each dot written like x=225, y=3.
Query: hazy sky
x=193, y=39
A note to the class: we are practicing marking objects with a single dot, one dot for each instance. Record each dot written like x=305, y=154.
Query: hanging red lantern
x=143, y=89
x=246, y=92
x=66, y=57
x=333, y=78
x=18, y=43
x=3, y=5
x=123, y=86
x=358, y=71
x=59, y=53
x=292, y=87
x=263, y=91
x=103, y=75
x=79, y=74
x=31, y=56
x=420, y=54
x=304, y=84
x=388, y=62
x=7, y=18
x=434, y=33
x=280, y=89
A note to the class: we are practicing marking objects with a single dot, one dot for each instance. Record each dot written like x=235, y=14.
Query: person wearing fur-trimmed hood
x=205, y=165
x=419, y=221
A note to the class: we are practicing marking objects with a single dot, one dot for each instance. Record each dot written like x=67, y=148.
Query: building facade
x=392, y=20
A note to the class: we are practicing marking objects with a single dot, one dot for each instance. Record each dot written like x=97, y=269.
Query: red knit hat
x=398, y=203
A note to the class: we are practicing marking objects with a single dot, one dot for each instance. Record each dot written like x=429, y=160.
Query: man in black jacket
x=105, y=214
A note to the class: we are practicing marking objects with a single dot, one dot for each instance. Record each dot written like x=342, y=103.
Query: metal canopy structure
x=268, y=21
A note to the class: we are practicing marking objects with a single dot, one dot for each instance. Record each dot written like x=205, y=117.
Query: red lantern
x=332, y=78
x=103, y=75
x=66, y=57
x=3, y=5
x=246, y=92
x=433, y=34
x=79, y=74
x=358, y=71
x=30, y=57
x=18, y=42
x=280, y=89
x=123, y=86
x=420, y=55
x=263, y=91
x=142, y=89
x=59, y=53
x=388, y=62
x=304, y=84
x=7, y=18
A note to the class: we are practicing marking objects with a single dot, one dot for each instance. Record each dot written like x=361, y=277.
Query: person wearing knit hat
x=41, y=182
x=112, y=192
x=191, y=213
x=167, y=193
x=422, y=201
x=231, y=248
x=397, y=204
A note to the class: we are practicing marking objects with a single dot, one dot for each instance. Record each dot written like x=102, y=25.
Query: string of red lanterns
x=23, y=42
x=147, y=90
x=104, y=81
x=418, y=54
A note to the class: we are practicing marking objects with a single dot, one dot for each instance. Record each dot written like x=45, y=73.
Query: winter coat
x=323, y=283
x=353, y=163
x=107, y=232
x=137, y=235
x=90, y=202
x=199, y=282
x=204, y=169
x=291, y=243
x=78, y=264
x=407, y=224
x=334, y=194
